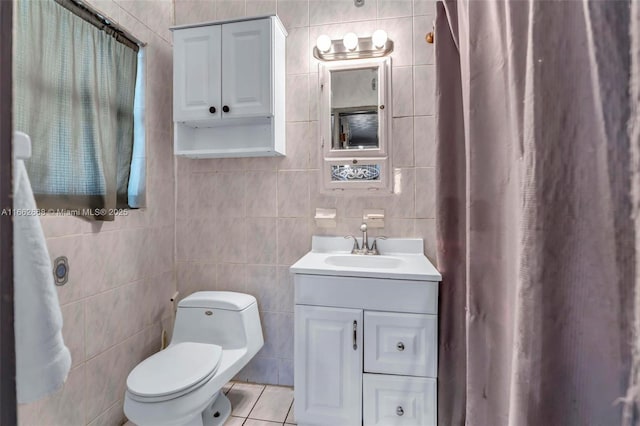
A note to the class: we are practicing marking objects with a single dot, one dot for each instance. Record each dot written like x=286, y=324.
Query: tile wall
x=122, y=273
x=240, y=223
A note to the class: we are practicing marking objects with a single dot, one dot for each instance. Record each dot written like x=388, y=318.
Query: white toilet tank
x=223, y=318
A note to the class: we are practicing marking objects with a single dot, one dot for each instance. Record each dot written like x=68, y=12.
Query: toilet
x=216, y=333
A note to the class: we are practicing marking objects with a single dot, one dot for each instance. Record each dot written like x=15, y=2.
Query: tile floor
x=259, y=405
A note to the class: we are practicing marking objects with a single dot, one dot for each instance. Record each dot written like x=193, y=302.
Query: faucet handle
x=356, y=247
x=374, y=246
x=363, y=227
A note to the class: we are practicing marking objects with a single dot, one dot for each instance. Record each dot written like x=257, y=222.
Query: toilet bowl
x=216, y=333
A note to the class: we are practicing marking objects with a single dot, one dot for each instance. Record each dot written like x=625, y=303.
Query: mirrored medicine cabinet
x=355, y=125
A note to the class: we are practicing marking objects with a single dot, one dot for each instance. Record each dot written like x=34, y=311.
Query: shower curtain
x=535, y=212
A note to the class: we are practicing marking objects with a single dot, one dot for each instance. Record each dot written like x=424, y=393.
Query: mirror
x=355, y=124
x=354, y=109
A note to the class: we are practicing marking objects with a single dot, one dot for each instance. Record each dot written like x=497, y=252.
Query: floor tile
x=234, y=421
x=243, y=397
x=273, y=404
x=253, y=422
x=291, y=420
x=226, y=388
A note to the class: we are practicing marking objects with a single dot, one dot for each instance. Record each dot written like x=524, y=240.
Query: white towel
x=42, y=359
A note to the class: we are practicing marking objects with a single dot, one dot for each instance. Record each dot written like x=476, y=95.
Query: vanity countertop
x=399, y=258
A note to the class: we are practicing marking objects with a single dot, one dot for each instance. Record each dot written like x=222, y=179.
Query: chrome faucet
x=365, y=239
x=365, y=249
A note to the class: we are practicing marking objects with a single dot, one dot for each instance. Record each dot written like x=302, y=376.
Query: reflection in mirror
x=354, y=109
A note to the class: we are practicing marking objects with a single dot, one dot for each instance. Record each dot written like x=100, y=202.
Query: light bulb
x=379, y=38
x=323, y=43
x=350, y=41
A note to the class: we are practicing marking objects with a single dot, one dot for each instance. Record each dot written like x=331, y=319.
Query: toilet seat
x=174, y=371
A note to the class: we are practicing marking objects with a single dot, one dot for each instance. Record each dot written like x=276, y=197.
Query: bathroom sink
x=399, y=258
x=362, y=261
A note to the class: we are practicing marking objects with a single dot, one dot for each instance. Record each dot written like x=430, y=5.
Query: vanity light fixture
x=323, y=43
x=379, y=38
x=350, y=41
x=353, y=47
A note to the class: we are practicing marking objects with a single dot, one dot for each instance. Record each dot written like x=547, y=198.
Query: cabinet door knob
x=212, y=110
x=225, y=108
x=399, y=411
x=400, y=346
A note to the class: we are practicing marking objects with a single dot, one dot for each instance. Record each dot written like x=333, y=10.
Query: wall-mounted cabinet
x=229, y=88
x=355, y=126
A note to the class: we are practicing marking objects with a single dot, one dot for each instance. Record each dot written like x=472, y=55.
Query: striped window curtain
x=74, y=95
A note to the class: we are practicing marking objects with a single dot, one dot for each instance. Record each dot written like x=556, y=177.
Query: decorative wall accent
x=354, y=173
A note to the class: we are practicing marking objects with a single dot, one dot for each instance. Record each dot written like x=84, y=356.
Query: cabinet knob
x=399, y=411
x=400, y=346
x=225, y=108
x=212, y=110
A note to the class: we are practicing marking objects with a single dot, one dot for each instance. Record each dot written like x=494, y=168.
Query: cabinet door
x=328, y=366
x=246, y=68
x=196, y=69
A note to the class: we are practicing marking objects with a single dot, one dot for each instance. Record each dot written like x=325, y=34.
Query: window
x=79, y=94
x=136, y=190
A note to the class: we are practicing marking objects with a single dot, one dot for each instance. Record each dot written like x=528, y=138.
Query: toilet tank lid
x=228, y=300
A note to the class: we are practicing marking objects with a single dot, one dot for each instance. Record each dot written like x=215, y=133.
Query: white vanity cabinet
x=366, y=340
x=229, y=88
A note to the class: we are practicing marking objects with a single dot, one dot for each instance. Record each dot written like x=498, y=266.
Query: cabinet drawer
x=399, y=401
x=397, y=343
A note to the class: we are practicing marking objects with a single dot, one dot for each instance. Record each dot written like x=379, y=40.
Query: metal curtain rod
x=102, y=23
